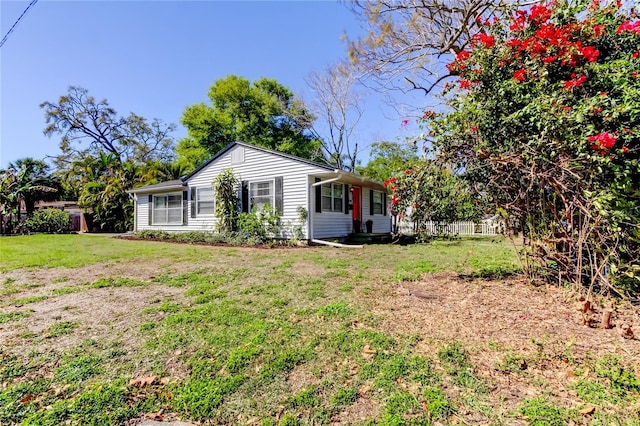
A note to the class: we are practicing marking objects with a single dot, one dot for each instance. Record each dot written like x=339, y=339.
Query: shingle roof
x=162, y=185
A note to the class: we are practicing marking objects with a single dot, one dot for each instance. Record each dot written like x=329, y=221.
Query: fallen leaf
x=368, y=350
x=588, y=410
x=142, y=381
x=26, y=399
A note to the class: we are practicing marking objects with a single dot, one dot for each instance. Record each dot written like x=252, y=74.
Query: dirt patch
x=113, y=314
x=493, y=318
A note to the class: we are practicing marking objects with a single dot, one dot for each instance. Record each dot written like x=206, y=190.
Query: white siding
x=257, y=165
x=381, y=223
x=328, y=224
x=334, y=224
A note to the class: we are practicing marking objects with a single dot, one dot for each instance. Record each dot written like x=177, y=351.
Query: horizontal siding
x=381, y=223
x=257, y=165
x=330, y=224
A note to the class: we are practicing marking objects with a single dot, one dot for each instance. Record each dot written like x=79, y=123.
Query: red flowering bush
x=546, y=124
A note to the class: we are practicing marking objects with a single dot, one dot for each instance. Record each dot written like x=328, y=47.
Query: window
x=204, y=201
x=261, y=194
x=377, y=202
x=332, y=197
x=167, y=209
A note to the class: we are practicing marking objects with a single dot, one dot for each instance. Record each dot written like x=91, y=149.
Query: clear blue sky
x=156, y=57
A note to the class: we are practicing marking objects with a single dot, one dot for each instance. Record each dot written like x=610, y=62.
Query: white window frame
x=381, y=203
x=333, y=188
x=154, y=218
x=272, y=187
x=198, y=201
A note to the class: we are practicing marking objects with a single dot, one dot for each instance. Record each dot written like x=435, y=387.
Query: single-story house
x=333, y=199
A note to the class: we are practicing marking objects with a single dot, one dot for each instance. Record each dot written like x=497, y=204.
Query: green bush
x=52, y=221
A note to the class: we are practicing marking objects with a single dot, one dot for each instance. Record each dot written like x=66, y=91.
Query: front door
x=356, y=200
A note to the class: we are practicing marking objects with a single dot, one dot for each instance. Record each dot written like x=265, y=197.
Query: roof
x=168, y=185
x=330, y=171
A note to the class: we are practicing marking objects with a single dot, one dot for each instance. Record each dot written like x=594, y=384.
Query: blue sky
x=155, y=58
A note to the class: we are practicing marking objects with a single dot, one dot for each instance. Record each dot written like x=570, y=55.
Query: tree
x=89, y=127
x=26, y=181
x=263, y=113
x=338, y=107
x=546, y=120
x=388, y=159
x=430, y=192
x=103, y=181
x=409, y=41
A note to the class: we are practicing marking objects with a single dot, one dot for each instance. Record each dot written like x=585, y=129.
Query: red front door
x=356, y=199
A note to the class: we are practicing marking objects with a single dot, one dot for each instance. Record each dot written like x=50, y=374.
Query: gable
x=235, y=154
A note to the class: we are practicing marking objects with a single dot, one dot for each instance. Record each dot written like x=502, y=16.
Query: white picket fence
x=486, y=227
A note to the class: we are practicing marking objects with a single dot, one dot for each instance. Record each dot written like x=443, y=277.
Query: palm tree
x=25, y=182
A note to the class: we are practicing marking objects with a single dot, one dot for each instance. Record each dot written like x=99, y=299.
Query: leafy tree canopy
x=546, y=122
x=263, y=113
x=89, y=127
x=388, y=159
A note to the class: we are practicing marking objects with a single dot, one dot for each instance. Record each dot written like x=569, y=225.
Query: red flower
x=624, y=149
x=394, y=199
x=514, y=42
x=487, y=40
x=602, y=140
x=465, y=84
x=549, y=59
x=634, y=27
x=405, y=122
x=474, y=129
x=539, y=13
x=590, y=53
x=520, y=75
x=407, y=172
x=596, y=110
x=575, y=83
x=463, y=56
x=635, y=54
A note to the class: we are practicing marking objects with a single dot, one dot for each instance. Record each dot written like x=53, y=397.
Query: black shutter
x=346, y=198
x=245, y=196
x=185, y=205
x=279, y=201
x=318, y=197
x=384, y=200
x=193, y=202
x=371, y=202
x=150, y=209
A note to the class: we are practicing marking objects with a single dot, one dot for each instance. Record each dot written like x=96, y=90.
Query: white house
x=334, y=199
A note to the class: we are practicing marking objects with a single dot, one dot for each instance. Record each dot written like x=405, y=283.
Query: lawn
x=98, y=330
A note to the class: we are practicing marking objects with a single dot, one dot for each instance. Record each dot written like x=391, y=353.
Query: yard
x=97, y=330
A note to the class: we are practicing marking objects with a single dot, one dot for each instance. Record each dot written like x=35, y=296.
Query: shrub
x=52, y=221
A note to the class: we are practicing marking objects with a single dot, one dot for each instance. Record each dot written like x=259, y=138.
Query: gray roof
x=170, y=184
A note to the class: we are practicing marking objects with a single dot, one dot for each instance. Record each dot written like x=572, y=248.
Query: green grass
x=61, y=328
x=272, y=337
x=13, y=316
x=21, y=301
x=72, y=251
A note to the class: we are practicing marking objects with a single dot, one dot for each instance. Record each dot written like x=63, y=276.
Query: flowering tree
x=429, y=192
x=546, y=121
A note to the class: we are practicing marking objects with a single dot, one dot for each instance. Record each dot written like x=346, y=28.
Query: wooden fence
x=487, y=227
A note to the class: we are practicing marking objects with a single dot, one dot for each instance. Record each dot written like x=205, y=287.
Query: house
x=335, y=200
x=80, y=221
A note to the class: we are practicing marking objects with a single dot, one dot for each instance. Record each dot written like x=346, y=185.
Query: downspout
x=134, y=197
x=328, y=180
x=339, y=245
